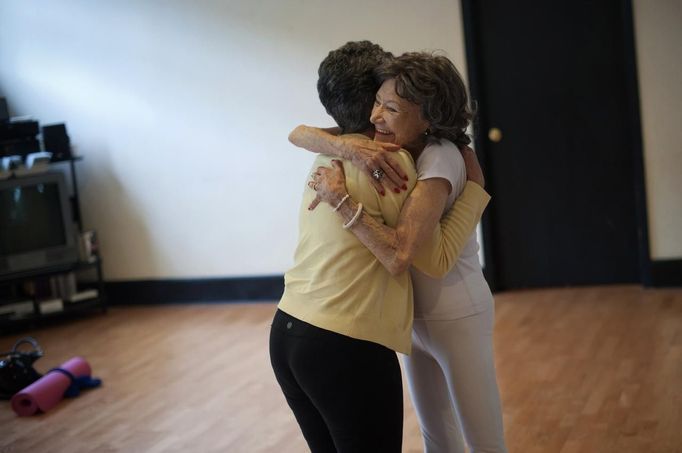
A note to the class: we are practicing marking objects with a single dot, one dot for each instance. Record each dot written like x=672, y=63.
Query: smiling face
x=397, y=120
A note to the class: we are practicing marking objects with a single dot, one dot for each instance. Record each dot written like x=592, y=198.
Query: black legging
x=346, y=394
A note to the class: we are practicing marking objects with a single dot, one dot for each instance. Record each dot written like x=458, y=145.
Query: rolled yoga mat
x=47, y=391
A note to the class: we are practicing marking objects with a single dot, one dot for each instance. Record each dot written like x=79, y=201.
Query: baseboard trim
x=153, y=292
x=666, y=272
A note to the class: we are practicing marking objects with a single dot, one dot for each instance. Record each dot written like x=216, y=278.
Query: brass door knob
x=495, y=135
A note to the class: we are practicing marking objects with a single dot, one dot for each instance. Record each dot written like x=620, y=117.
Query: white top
x=463, y=291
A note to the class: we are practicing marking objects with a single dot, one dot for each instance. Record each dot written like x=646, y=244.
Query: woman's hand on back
x=473, y=168
x=370, y=156
x=329, y=184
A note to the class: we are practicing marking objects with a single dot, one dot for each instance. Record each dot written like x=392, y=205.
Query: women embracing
x=348, y=300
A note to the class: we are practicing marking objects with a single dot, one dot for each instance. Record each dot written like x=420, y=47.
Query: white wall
x=182, y=110
x=658, y=26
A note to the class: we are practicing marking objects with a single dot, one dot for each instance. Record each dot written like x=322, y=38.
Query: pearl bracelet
x=355, y=217
x=338, y=206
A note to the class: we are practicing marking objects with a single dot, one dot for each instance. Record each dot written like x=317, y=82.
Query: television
x=37, y=232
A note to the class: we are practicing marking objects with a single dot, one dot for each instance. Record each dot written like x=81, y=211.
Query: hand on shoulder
x=473, y=168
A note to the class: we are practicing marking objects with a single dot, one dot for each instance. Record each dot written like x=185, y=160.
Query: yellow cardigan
x=338, y=285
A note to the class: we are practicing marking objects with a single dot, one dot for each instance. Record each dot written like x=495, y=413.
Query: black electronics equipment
x=19, y=137
x=56, y=141
x=13, y=130
x=4, y=111
x=21, y=147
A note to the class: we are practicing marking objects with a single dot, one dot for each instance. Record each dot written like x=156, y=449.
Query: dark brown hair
x=347, y=84
x=434, y=84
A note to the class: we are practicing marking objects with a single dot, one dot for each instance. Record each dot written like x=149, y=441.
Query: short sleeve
x=442, y=159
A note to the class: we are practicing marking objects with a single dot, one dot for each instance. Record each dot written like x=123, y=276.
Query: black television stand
x=36, y=297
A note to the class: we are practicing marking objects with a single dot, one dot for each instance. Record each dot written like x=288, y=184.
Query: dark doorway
x=558, y=134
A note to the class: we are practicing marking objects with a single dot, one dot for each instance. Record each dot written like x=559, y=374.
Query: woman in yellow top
x=422, y=105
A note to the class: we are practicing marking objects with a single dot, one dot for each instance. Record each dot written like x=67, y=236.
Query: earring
x=427, y=132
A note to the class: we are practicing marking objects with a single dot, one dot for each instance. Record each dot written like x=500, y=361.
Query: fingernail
x=405, y=178
x=396, y=190
x=383, y=194
x=404, y=187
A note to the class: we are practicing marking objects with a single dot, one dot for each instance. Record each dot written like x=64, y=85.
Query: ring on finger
x=378, y=174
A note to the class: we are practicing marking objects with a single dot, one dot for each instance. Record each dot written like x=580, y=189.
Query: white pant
x=451, y=377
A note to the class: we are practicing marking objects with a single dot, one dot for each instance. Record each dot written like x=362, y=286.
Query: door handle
x=495, y=135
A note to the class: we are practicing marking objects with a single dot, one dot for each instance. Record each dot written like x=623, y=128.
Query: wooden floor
x=580, y=370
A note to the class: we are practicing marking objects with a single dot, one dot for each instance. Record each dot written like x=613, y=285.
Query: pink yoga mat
x=46, y=392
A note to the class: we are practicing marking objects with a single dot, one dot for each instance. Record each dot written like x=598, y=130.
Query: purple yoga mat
x=46, y=392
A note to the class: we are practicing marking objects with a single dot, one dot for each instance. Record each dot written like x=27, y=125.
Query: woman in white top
x=451, y=371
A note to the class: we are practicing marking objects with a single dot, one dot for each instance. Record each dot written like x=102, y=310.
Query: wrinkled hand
x=329, y=183
x=369, y=155
x=473, y=168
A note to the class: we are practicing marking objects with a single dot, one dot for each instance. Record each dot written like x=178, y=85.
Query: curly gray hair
x=433, y=83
